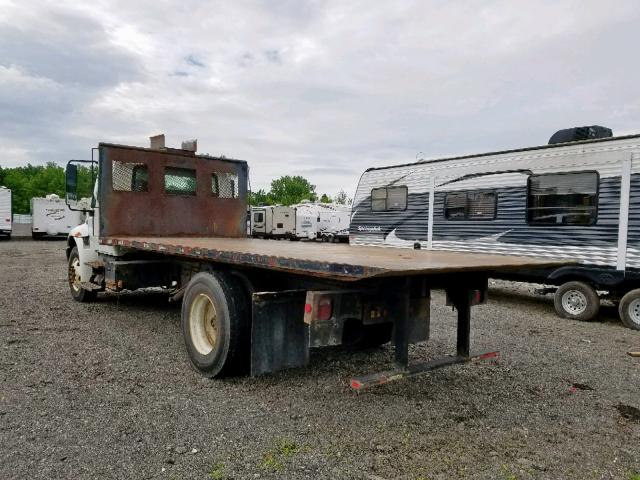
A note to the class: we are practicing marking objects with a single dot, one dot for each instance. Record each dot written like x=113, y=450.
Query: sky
x=322, y=89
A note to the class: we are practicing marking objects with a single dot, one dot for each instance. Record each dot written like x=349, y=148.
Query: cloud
x=323, y=88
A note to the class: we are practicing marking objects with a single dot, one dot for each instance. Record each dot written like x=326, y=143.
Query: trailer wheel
x=577, y=301
x=629, y=309
x=216, y=324
x=78, y=293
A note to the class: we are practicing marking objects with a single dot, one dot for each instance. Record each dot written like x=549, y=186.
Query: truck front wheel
x=577, y=301
x=216, y=324
x=629, y=309
x=78, y=293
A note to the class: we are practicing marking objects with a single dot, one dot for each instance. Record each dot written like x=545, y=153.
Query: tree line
x=32, y=181
x=289, y=190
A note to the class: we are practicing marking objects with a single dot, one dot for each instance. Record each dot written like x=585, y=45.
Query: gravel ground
x=104, y=391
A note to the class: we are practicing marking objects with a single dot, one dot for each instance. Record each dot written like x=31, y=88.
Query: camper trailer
x=322, y=221
x=307, y=221
x=579, y=198
x=273, y=221
x=5, y=212
x=334, y=222
x=52, y=217
x=304, y=221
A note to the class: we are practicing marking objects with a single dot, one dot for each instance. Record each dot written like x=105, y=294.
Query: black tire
x=223, y=349
x=356, y=336
x=577, y=301
x=78, y=293
x=629, y=309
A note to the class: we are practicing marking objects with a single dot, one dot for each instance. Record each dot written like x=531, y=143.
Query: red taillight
x=308, y=308
x=324, y=309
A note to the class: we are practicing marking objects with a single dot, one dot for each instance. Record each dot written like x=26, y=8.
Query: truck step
x=90, y=286
x=95, y=264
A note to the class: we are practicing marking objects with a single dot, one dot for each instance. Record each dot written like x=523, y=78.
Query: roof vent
x=576, y=134
x=190, y=145
x=157, y=142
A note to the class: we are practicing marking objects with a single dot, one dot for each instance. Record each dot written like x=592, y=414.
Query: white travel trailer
x=51, y=216
x=579, y=199
x=5, y=212
x=334, y=220
x=307, y=221
x=273, y=221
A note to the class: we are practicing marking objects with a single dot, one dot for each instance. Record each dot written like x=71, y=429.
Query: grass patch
x=274, y=459
x=217, y=472
x=634, y=476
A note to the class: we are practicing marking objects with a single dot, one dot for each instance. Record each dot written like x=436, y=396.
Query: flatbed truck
x=159, y=218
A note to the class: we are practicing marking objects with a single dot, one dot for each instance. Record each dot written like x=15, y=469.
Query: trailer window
x=563, y=198
x=389, y=198
x=258, y=217
x=179, y=181
x=470, y=206
x=129, y=177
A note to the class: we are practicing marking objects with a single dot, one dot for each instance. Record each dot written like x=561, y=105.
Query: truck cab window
x=389, y=198
x=562, y=198
x=129, y=177
x=179, y=181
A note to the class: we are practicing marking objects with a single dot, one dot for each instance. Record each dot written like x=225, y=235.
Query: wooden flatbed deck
x=339, y=261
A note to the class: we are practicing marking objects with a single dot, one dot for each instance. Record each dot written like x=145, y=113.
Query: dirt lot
x=104, y=391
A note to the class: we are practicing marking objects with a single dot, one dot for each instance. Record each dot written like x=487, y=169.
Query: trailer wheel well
x=599, y=278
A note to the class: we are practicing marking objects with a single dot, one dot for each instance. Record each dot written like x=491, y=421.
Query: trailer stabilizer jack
x=366, y=381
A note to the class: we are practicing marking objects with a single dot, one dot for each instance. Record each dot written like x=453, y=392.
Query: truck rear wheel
x=629, y=309
x=216, y=324
x=577, y=301
x=78, y=293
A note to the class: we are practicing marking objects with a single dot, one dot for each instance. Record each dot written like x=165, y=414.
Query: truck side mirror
x=71, y=190
x=79, y=184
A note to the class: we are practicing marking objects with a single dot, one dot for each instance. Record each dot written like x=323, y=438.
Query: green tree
x=32, y=181
x=342, y=199
x=325, y=198
x=259, y=198
x=289, y=190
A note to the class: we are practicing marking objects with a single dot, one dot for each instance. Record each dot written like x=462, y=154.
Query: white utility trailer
x=52, y=217
x=5, y=212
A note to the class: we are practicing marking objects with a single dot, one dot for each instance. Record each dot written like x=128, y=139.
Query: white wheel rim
x=574, y=302
x=203, y=324
x=74, y=274
x=634, y=311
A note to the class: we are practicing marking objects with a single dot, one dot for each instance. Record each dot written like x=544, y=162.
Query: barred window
x=224, y=185
x=179, y=181
x=389, y=198
x=129, y=177
x=215, y=185
x=470, y=206
x=563, y=198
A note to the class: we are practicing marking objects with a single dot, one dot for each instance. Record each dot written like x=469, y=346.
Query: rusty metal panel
x=135, y=198
x=279, y=336
x=335, y=261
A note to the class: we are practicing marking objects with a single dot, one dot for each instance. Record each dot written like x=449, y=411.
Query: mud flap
x=279, y=336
